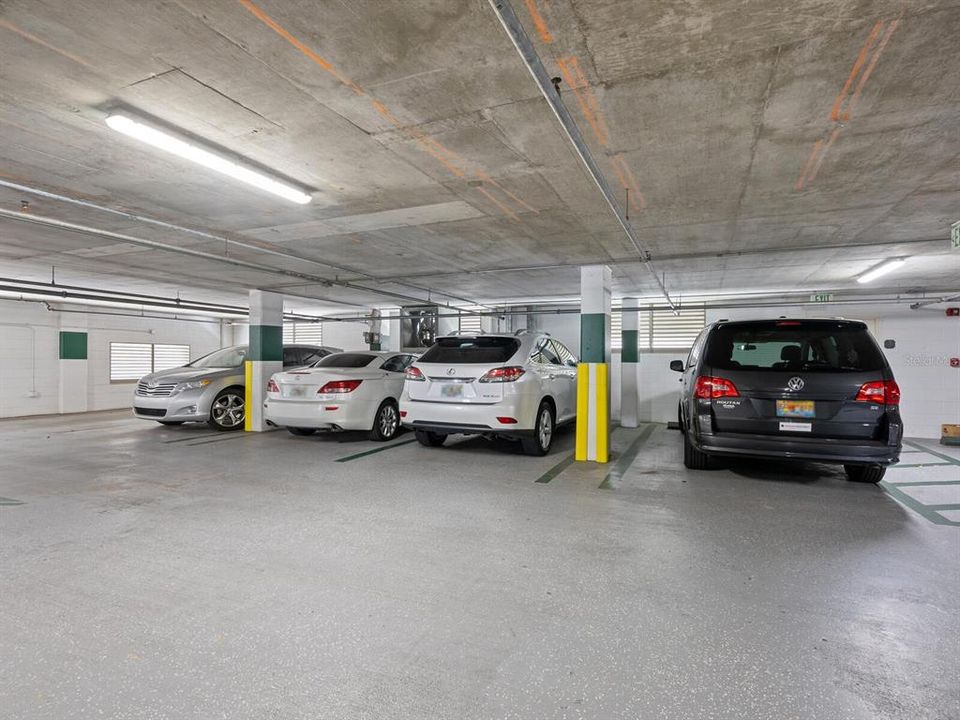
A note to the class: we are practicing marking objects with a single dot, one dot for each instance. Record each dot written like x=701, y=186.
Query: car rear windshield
x=792, y=346
x=480, y=350
x=346, y=360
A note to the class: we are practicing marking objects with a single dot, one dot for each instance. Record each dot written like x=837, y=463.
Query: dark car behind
x=817, y=390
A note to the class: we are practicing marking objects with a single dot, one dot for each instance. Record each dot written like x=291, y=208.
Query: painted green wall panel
x=73, y=346
x=266, y=342
x=630, y=345
x=593, y=333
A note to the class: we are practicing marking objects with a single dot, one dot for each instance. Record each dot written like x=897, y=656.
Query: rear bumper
x=466, y=419
x=330, y=415
x=828, y=450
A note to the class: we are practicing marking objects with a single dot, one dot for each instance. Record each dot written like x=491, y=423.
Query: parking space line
x=232, y=436
x=556, y=469
x=10, y=501
x=921, y=448
x=926, y=482
x=356, y=456
x=613, y=478
x=924, y=511
x=916, y=465
x=195, y=437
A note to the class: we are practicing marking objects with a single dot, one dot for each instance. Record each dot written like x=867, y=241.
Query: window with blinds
x=302, y=333
x=471, y=324
x=660, y=329
x=131, y=361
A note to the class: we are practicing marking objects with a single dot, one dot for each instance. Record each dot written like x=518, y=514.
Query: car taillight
x=504, y=374
x=272, y=386
x=339, y=386
x=414, y=373
x=881, y=392
x=507, y=420
x=714, y=387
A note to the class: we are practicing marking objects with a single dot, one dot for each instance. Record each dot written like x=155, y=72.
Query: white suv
x=515, y=386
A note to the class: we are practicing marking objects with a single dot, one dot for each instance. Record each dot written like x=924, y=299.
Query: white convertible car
x=343, y=391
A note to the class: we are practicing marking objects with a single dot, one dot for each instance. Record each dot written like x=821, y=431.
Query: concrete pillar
x=593, y=372
x=265, y=356
x=630, y=365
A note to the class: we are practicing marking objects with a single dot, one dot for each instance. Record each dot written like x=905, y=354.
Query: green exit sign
x=821, y=297
x=955, y=235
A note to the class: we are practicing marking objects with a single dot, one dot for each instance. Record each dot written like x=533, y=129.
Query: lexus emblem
x=451, y=371
x=795, y=384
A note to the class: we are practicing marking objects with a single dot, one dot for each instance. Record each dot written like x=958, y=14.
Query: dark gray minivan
x=817, y=390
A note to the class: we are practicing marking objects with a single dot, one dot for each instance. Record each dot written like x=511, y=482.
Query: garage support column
x=593, y=390
x=630, y=365
x=265, y=356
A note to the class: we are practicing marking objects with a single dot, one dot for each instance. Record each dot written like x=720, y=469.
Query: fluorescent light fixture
x=159, y=139
x=881, y=269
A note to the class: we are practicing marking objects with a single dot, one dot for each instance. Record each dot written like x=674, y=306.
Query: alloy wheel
x=545, y=429
x=388, y=421
x=228, y=410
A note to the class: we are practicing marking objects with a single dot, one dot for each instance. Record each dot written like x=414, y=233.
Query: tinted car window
x=809, y=346
x=564, y=354
x=544, y=353
x=480, y=349
x=291, y=356
x=395, y=364
x=346, y=360
x=310, y=356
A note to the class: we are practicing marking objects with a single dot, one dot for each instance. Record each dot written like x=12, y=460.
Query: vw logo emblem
x=795, y=384
x=452, y=371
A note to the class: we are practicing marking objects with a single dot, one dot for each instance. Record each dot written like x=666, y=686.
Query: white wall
x=30, y=368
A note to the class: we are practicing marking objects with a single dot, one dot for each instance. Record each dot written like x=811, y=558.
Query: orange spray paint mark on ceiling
x=538, y=22
x=857, y=65
x=448, y=158
x=574, y=77
x=846, y=102
x=43, y=43
x=629, y=182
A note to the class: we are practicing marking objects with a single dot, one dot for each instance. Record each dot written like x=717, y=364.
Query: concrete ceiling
x=765, y=145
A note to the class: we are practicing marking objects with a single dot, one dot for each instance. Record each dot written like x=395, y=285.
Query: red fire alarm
x=955, y=362
x=952, y=312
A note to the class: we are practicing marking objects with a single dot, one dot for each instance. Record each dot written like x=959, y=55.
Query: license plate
x=295, y=390
x=452, y=390
x=795, y=408
x=795, y=427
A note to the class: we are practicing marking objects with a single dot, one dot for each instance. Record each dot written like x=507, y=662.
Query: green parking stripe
x=555, y=470
x=926, y=482
x=10, y=501
x=925, y=511
x=947, y=506
x=348, y=458
x=613, y=478
x=949, y=459
x=916, y=465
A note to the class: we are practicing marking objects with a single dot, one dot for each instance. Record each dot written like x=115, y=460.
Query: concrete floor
x=174, y=573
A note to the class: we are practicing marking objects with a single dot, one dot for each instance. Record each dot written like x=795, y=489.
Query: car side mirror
x=676, y=365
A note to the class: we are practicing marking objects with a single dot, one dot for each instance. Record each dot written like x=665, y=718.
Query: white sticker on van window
x=795, y=427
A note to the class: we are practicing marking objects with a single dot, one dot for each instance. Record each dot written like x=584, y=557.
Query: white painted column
x=593, y=386
x=630, y=365
x=265, y=356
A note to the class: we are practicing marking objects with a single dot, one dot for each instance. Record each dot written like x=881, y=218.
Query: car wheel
x=170, y=423
x=692, y=458
x=301, y=431
x=386, y=423
x=430, y=439
x=227, y=411
x=865, y=473
x=542, y=438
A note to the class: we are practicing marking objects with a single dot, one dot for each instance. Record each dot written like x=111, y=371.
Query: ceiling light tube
x=882, y=269
x=139, y=130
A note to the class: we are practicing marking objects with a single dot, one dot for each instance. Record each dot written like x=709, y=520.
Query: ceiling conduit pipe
x=246, y=245
x=521, y=42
